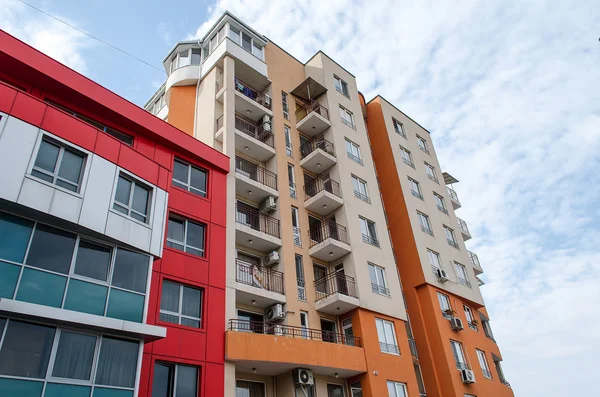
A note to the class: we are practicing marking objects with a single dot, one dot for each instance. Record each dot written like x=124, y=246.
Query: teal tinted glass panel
x=86, y=297
x=15, y=234
x=9, y=274
x=125, y=306
x=60, y=390
x=41, y=287
x=20, y=388
x=102, y=392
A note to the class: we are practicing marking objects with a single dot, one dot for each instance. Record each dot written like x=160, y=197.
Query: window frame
x=364, y=196
x=371, y=228
x=413, y=182
x=285, y=105
x=396, y=385
x=134, y=181
x=253, y=42
x=398, y=127
x=459, y=353
x=483, y=364
x=180, y=314
x=440, y=199
x=433, y=254
x=385, y=346
x=287, y=133
x=431, y=175
x=463, y=269
x=185, y=234
x=380, y=285
x=188, y=185
x=406, y=156
x=470, y=318
x=352, y=156
x=423, y=145
x=424, y=218
x=344, y=115
x=444, y=299
x=173, y=381
x=343, y=86
x=450, y=233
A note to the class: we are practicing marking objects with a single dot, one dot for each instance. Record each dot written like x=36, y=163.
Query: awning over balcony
x=309, y=90
x=449, y=179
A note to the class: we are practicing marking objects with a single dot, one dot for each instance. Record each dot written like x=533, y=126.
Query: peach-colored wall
x=182, y=103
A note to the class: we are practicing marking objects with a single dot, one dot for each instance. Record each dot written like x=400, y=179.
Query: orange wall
x=182, y=101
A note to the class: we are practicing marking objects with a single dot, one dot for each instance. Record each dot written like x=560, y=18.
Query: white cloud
x=49, y=36
x=510, y=91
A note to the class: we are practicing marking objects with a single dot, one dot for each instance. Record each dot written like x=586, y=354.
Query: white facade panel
x=124, y=229
x=98, y=194
x=158, y=221
x=66, y=206
x=16, y=146
x=36, y=195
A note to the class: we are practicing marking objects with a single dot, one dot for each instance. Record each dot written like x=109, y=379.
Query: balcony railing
x=463, y=226
x=219, y=124
x=255, y=131
x=316, y=186
x=452, y=243
x=487, y=373
x=327, y=230
x=370, y=240
x=354, y=158
x=259, y=276
x=413, y=347
x=460, y=364
x=362, y=196
x=408, y=162
x=389, y=348
x=417, y=194
x=304, y=110
x=256, y=172
x=335, y=283
x=464, y=282
x=433, y=178
x=427, y=230
x=249, y=92
x=504, y=382
x=314, y=144
x=452, y=194
x=250, y=216
x=293, y=332
x=380, y=289
x=474, y=260
x=442, y=209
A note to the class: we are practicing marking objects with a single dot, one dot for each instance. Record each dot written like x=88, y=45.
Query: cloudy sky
x=510, y=91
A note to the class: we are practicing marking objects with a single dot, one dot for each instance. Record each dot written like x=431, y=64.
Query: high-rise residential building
x=112, y=242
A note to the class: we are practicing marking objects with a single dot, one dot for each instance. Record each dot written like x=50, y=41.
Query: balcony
x=322, y=196
x=328, y=241
x=504, y=382
x=453, y=198
x=273, y=349
x=258, y=285
x=480, y=282
x=250, y=102
x=317, y=155
x=464, y=230
x=254, y=139
x=336, y=294
x=475, y=262
x=254, y=182
x=253, y=229
x=312, y=119
x=413, y=349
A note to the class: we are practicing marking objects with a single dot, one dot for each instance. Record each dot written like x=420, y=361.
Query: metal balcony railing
x=362, y=196
x=257, y=132
x=380, y=289
x=487, y=373
x=335, y=283
x=427, y=230
x=442, y=209
x=314, y=144
x=460, y=364
x=327, y=230
x=413, y=347
x=463, y=226
x=370, y=240
x=305, y=109
x=408, y=162
x=452, y=243
x=504, y=382
x=250, y=216
x=417, y=194
x=259, y=276
x=474, y=260
x=291, y=331
x=256, y=172
x=259, y=97
x=316, y=186
x=389, y=348
x=433, y=178
x=354, y=158
x=452, y=194
x=464, y=282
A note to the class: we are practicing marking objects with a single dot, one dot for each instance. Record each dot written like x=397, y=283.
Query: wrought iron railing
x=317, y=185
x=335, y=283
x=433, y=178
x=427, y=230
x=256, y=172
x=354, y=158
x=452, y=194
x=249, y=92
x=408, y=162
x=465, y=282
x=460, y=364
x=487, y=373
x=442, y=209
x=362, y=196
x=474, y=260
x=452, y=243
x=463, y=226
x=257, y=132
x=327, y=230
x=314, y=144
x=259, y=276
x=417, y=194
x=504, y=382
x=389, y=348
x=370, y=240
x=380, y=289
x=293, y=332
x=250, y=216
x=305, y=109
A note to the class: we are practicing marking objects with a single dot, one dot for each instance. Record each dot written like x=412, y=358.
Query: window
x=304, y=324
x=174, y=380
x=74, y=356
x=234, y=34
x=257, y=50
x=368, y=230
x=407, y=156
x=132, y=198
x=422, y=144
x=415, y=188
x=360, y=189
x=246, y=42
x=59, y=164
x=396, y=389
x=459, y=356
x=451, y=237
x=284, y=104
x=292, y=180
x=26, y=349
x=355, y=390
x=461, y=273
x=434, y=260
x=304, y=391
x=180, y=304
x=353, y=151
x=186, y=236
x=470, y=318
x=399, y=127
x=347, y=117
x=487, y=329
x=378, y=284
x=190, y=178
x=441, y=204
x=288, y=141
x=300, y=278
x=431, y=172
x=341, y=86
x=196, y=56
x=296, y=227
x=483, y=364
x=387, y=336
x=184, y=58
x=424, y=222
x=348, y=332
x=445, y=305
x=335, y=390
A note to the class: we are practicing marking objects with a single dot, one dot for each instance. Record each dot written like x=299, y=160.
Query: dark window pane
x=26, y=350
x=162, y=386
x=175, y=245
x=120, y=136
x=131, y=270
x=195, y=235
x=196, y=56
x=190, y=323
x=123, y=190
x=181, y=185
x=92, y=261
x=141, y=218
x=187, y=381
x=51, y=249
x=41, y=175
x=192, y=299
x=199, y=180
x=74, y=356
x=47, y=156
x=66, y=185
x=193, y=251
x=175, y=230
x=120, y=208
x=15, y=232
x=117, y=362
x=141, y=196
x=169, y=299
x=70, y=166
x=2, y=324
x=180, y=171
x=169, y=318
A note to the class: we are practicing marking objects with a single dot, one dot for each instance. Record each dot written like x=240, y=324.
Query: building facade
x=112, y=241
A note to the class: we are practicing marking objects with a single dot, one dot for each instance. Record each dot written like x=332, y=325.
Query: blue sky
x=510, y=91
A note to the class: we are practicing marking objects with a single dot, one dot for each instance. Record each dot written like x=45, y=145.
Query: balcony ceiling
x=309, y=90
x=449, y=179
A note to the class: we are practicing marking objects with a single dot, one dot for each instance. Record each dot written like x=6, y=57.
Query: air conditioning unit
x=268, y=205
x=303, y=377
x=272, y=258
x=275, y=313
x=442, y=275
x=267, y=101
x=266, y=119
x=467, y=376
x=267, y=127
x=456, y=324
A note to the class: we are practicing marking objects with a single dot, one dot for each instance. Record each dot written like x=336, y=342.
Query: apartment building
x=112, y=230
x=313, y=299
x=457, y=351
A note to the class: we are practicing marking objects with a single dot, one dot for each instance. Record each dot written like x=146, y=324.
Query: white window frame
x=387, y=346
x=341, y=86
x=300, y=277
x=422, y=144
x=470, y=318
x=398, y=127
x=451, y=237
x=253, y=42
x=430, y=169
x=134, y=181
x=296, y=229
x=368, y=236
x=407, y=157
x=434, y=259
x=285, y=105
x=180, y=314
x=440, y=203
x=185, y=232
x=357, y=158
x=347, y=117
x=397, y=386
x=292, y=180
x=415, y=192
x=188, y=184
x=461, y=274
x=485, y=369
x=287, y=132
x=458, y=352
x=304, y=328
x=444, y=301
x=425, y=223
x=379, y=285
x=363, y=192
